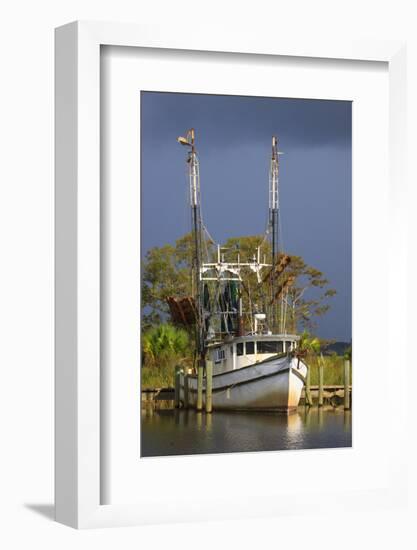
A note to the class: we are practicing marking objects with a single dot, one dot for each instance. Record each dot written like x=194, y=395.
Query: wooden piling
x=308, y=400
x=177, y=380
x=209, y=386
x=321, y=379
x=346, y=397
x=200, y=385
x=186, y=391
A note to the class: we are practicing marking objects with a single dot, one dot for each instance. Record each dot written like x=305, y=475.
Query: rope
x=281, y=246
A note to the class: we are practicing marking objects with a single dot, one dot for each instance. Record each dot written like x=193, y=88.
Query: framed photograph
x=263, y=328
x=228, y=213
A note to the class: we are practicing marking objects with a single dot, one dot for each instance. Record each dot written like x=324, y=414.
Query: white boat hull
x=275, y=384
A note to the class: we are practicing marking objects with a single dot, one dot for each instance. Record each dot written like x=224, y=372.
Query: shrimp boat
x=238, y=310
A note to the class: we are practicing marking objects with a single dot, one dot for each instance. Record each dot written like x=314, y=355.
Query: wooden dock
x=158, y=394
x=333, y=395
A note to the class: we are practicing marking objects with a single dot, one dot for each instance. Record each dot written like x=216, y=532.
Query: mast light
x=183, y=141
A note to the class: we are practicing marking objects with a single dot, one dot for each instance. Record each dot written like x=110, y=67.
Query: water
x=184, y=432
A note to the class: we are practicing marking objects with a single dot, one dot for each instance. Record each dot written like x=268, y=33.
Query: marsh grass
x=333, y=370
x=162, y=375
x=163, y=347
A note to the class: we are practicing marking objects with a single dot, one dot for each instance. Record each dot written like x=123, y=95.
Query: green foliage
x=309, y=345
x=348, y=354
x=157, y=376
x=164, y=344
x=305, y=306
x=167, y=272
x=333, y=364
x=333, y=369
x=163, y=347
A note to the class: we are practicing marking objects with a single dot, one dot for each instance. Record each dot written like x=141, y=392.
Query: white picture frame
x=77, y=70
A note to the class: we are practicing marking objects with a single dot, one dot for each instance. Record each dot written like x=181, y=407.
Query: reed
x=157, y=376
x=162, y=375
x=332, y=370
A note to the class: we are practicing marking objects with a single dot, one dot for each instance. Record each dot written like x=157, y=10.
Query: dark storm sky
x=233, y=137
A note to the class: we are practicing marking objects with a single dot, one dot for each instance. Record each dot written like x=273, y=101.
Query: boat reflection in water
x=294, y=430
x=184, y=432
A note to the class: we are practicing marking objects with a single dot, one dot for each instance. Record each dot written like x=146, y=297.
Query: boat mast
x=223, y=315
x=273, y=219
x=194, y=184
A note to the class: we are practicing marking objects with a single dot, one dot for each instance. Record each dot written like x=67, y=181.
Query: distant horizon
x=233, y=137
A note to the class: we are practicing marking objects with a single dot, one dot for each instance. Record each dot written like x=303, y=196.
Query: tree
x=167, y=272
x=304, y=307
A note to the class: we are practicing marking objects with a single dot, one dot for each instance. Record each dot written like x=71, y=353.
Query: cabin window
x=239, y=348
x=269, y=347
x=288, y=346
x=250, y=348
x=219, y=355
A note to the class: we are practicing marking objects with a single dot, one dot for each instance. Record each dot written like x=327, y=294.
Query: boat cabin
x=242, y=351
